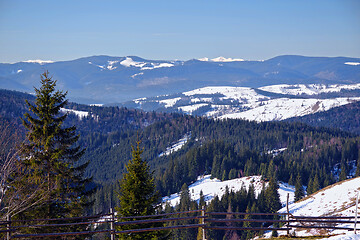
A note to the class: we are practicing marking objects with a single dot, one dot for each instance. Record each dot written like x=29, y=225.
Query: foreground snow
x=335, y=200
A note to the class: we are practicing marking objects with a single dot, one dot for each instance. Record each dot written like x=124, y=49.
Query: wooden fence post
x=8, y=227
x=287, y=216
x=203, y=222
x=356, y=211
x=112, y=224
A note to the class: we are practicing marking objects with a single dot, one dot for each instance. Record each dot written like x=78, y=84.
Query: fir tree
x=299, y=190
x=272, y=196
x=137, y=195
x=343, y=174
x=357, y=173
x=49, y=159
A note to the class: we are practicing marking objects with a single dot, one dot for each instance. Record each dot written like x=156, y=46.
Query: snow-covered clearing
x=215, y=187
x=170, y=102
x=192, y=108
x=79, y=114
x=176, y=146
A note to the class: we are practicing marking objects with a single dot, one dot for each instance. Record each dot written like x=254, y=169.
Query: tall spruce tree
x=49, y=159
x=138, y=196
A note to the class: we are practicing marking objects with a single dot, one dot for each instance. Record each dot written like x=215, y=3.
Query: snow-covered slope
x=310, y=89
x=215, y=187
x=276, y=102
x=283, y=108
x=335, y=200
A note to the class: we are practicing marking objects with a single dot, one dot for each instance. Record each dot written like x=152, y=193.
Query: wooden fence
x=207, y=220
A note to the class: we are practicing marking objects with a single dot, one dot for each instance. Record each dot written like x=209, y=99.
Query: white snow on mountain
x=221, y=59
x=243, y=94
x=38, y=61
x=111, y=64
x=215, y=187
x=352, y=63
x=176, y=146
x=170, y=102
x=191, y=108
x=129, y=62
x=250, y=104
x=283, y=108
x=79, y=114
x=310, y=89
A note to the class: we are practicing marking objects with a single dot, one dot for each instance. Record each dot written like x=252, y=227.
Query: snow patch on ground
x=79, y=114
x=177, y=146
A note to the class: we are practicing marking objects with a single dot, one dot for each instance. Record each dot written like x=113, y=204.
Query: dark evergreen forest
x=225, y=149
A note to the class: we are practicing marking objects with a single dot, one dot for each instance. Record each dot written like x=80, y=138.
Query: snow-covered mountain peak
x=38, y=61
x=129, y=62
x=352, y=63
x=221, y=59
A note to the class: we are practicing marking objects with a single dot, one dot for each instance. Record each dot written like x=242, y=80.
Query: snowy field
x=336, y=200
x=215, y=187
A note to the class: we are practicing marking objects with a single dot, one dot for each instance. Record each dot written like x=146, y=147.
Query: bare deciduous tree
x=14, y=199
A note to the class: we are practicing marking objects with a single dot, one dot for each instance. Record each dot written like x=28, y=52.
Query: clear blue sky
x=182, y=29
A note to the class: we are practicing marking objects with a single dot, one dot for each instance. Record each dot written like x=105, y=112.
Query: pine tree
x=272, y=196
x=357, y=173
x=316, y=184
x=299, y=190
x=137, y=195
x=343, y=174
x=49, y=160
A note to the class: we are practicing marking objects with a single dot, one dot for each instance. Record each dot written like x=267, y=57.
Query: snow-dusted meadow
x=215, y=187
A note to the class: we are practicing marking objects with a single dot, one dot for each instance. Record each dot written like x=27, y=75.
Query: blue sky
x=253, y=30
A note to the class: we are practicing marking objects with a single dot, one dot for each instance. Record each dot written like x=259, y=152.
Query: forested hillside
x=345, y=117
x=226, y=148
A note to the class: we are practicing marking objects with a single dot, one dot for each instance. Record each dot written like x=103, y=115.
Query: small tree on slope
x=138, y=196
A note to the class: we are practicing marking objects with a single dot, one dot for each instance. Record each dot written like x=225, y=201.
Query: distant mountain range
x=105, y=79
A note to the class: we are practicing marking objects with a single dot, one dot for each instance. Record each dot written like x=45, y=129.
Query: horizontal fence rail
x=201, y=219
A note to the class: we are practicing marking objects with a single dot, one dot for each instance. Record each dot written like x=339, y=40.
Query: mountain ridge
x=108, y=79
